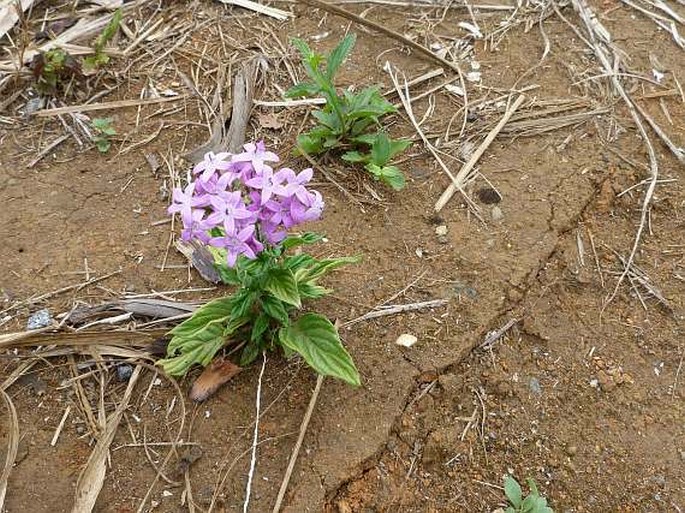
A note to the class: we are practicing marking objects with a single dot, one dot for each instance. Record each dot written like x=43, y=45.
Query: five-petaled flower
x=239, y=204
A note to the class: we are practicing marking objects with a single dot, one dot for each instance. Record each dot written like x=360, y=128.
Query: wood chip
x=215, y=374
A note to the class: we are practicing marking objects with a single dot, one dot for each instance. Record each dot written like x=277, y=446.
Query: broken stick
x=466, y=169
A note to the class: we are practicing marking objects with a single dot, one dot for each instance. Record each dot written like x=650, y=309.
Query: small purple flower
x=296, y=183
x=185, y=200
x=245, y=200
x=236, y=244
x=269, y=183
x=279, y=212
x=273, y=233
x=196, y=229
x=211, y=164
x=302, y=213
x=228, y=208
x=256, y=154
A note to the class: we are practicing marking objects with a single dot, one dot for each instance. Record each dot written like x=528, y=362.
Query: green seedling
x=348, y=121
x=53, y=69
x=100, y=58
x=382, y=150
x=103, y=132
x=532, y=503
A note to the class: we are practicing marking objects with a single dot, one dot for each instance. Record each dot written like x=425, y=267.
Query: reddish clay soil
x=584, y=397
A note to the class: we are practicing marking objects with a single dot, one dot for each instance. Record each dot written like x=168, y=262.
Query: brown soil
x=586, y=400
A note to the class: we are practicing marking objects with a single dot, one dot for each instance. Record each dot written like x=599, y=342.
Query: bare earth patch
x=583, y=395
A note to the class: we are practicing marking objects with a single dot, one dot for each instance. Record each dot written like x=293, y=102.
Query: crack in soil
x=369, y=463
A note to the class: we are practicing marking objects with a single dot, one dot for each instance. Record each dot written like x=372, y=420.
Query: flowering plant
x=242, y=209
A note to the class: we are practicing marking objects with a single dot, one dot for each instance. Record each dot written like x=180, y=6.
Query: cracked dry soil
x=590, y=407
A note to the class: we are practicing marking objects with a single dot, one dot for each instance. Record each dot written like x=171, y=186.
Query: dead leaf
x=269, y=120
x=215, y=374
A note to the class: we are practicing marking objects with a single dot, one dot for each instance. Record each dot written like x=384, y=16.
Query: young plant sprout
x=349, y=121
x=242, y=209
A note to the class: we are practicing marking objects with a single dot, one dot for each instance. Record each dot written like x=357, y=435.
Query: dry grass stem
x=298, y=444
x=12, y=445
x=92, y=477
x=255, y=438
x=395, y=309
x=460, y=179
x=266, y=10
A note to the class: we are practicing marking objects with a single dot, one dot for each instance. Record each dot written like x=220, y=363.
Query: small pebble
x=39, y=319
x=33, y=105
x=124, y=372
x=406, y=340
x=535, y=387
x=441, y=230
x=571, y=450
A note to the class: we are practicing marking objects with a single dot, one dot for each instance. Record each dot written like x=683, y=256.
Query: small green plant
x=532, y=503
x=100, y=58
x=53, y=69
x=242, y=210
x=103, y=132
x=347, y=121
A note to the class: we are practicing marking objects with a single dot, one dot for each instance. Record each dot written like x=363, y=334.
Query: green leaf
x=355, y=156
x=103, y=145
x=250, y=352
x=205, y=318
x=380, y=149
x=339, y=54
x=328, y=119
x=317, y=340
x=281, y=283
x=300, y=240
x=259, y=326
x=109, y=31
x=392, y=176
x=311, y=291
x=306, y=89
x=310, y=143
x=177, y=343
x=295, y=262
x=303, y=48
x=227, y=274
x=397, y=146
x=321, y=267
x=275, y=309
x=367, y=103
x=242, y=302
x=529, y=504
x=512, y=489
x=102, y=124
x=192, y=352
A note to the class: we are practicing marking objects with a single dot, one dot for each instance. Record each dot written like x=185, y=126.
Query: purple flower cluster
x=239, y=203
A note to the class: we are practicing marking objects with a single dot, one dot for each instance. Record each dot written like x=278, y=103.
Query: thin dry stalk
x=600, y=43
x=92, y=477
x=12, y=446
x=298, y=444
x=255, y=438
x=406, y=103
x=460, y=178
x=78, y=286
x=272, y=12
x=118, y=104
x=395, y=309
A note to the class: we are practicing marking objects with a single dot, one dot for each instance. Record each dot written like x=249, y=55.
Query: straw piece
x=466, y=169
x=92, y=477
x=12, y=446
